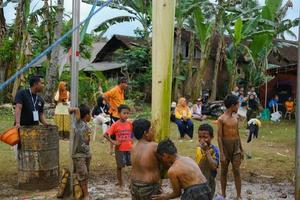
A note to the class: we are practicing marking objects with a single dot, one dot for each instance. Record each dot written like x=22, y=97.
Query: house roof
x=96, y=47
x=117, y=42
x=286, y=55
x=100, y=66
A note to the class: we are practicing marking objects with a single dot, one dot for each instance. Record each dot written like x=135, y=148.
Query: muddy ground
x=103, y=187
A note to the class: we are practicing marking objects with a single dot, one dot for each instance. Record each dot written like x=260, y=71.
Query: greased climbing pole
x=163, y=15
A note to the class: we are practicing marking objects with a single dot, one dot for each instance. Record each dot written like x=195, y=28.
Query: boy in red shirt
x=122, y=131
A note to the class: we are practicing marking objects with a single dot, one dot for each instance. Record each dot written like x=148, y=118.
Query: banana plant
x=182, y=13
x=139, y=10
x=203, y=29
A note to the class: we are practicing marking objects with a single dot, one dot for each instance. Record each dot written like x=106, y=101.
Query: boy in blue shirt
x=207, y=155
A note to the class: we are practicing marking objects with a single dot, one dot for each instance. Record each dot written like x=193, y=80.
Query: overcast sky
x=124, y=28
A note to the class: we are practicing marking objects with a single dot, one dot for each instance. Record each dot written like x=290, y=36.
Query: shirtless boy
x=183, y=173
x=230, y=145
x=145, y=174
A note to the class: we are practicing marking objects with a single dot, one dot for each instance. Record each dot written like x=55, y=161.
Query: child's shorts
x=81, y=168
x=122, y=158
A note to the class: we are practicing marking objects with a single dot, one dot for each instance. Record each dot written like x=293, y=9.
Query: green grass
x=273, y=152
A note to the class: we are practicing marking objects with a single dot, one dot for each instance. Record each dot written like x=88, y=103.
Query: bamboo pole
x=163, y=16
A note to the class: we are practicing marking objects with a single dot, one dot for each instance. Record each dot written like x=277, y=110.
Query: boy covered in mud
x=81, y=150
x=183, y=173
x=230, y=144
x=122, y=131
x=145, y=173
x=207, y=155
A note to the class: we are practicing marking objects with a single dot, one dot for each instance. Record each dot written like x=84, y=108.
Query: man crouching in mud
x=183, y=173
x=145, y=174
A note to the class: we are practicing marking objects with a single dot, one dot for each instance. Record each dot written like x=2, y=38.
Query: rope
x=45, y=52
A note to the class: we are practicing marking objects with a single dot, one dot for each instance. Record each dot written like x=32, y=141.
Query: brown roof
x=286, y=55
x=117, y=42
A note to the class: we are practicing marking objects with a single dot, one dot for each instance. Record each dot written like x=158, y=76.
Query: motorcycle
x=213, y=108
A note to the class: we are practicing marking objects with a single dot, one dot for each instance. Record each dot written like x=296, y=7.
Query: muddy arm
x=76, y=111
x=212, y=162
x=220, y=137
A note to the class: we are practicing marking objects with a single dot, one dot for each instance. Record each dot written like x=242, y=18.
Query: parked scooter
x=213, y=108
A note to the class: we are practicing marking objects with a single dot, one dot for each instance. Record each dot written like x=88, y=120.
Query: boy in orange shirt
x=122, y=130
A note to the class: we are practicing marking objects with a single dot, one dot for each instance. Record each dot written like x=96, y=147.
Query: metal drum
x=38, y=154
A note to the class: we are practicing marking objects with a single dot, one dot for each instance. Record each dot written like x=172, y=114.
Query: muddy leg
x=84, y=187
x=224, y=171
x=119, y=177
x=237, y=177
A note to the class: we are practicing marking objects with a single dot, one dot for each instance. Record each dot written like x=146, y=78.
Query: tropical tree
x=139, y=10
x=52, y=71
x=21, y=41
x=182, y=14
x=2, y=36
x=204, y=32
x=2, y=23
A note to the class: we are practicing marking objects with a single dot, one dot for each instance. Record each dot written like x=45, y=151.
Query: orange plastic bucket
x=10, y=136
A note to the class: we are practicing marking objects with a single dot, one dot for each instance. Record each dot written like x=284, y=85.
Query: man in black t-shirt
x=29, y=105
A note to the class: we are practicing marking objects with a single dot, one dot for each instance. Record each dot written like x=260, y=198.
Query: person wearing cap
x=116, y=97
x=29, y=105
x=197, y=111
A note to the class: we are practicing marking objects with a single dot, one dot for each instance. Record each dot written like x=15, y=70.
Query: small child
x=208, y=156
x=253, y=126
x=230, y=145
x=122, y=131
x=81, y=150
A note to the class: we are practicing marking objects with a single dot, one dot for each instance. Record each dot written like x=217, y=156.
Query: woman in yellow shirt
x=183, y=116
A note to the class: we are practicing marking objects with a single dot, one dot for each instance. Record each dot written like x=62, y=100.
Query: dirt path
x=104, y=188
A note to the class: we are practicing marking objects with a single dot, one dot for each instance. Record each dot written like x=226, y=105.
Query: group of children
x=148, y=158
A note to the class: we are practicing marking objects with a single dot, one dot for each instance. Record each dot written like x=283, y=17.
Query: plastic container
x=10, y=136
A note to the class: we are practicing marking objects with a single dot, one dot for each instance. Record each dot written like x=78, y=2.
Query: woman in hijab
x=62, y=117
x=62, y=94
x=183, y=116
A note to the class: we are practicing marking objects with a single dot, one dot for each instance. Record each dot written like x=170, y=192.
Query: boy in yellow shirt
x=207, y=155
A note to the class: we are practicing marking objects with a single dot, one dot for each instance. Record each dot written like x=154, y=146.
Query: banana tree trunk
x=177, y=63
x=2, y=36
x=163, y=13
x=52, y=71
x=20, y=37
x=2, y=23
x=189, y=81
x=233, y=76
x=218, y=63
x=197, y=92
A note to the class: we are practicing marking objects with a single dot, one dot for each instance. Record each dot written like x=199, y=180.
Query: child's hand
x=223, y=159
x=204, y=146
x=117, y=143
